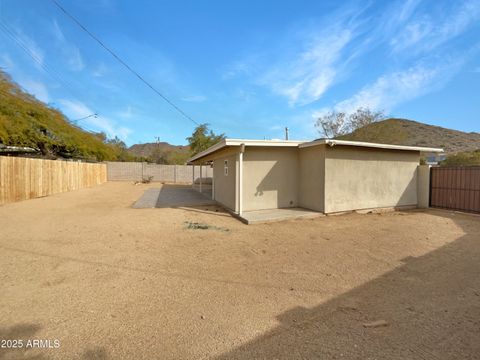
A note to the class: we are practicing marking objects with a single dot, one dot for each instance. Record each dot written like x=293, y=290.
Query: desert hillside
x=30, y=123
x=149, y=149
x=413, y=133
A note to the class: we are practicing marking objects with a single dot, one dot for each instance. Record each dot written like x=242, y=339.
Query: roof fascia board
x=370, y=145
x=246, y=142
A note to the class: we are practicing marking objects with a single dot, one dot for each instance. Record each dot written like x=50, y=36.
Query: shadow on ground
x=27, y=331
x=431, y=306
x=23, y=332
x=95, y=353
x=207, y=209
x=173, y=196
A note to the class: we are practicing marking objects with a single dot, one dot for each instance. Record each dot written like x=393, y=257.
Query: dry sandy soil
x=112, y=282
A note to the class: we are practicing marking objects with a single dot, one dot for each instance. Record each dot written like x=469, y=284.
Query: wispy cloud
x=307, y=77
x=420, y=39
x=28, y=43
x=308, y=60
x=76, y=110
x=100, y=70
x=412, y=34
x=57, y=32
x=392, y=89
x=6, y=62
x=127, y=113
x=408, y=32
x=195, y=98
x=393, y=19
x=70, y=52
x=36, y=88
x=75, y=60
x=244, y=67
x=404, y=10
x=245, y=95
x=425, y=31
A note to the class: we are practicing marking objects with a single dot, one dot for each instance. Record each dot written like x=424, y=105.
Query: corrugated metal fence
x=25, y=178
x=136, y=171
x=455, y=188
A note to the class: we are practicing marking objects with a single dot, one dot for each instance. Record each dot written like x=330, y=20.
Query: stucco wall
x=362, y=178
x=225, y=185
x=270, y=178
x=312, y=178
x=423, y=186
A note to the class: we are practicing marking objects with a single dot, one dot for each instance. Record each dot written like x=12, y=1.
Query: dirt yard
x=112, y=282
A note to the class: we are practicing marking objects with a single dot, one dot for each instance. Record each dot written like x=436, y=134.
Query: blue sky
x=248, y=68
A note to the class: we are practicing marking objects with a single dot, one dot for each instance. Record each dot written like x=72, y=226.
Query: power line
x=123, y=62
x=11, y=34
x=54, y=74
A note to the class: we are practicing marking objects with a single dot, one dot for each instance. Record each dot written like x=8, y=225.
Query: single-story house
x=324, y=175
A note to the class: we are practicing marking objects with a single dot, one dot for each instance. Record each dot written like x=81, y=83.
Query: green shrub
x=26, y=121
x=469, y=158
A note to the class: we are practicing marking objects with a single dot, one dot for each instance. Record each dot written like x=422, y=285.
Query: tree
x=159, y=156
x=178, y=157
x=363, y=117
x=202, y=138
x=334, y=124
x=119, y=147
x=102, y=136
x=116, y=141
x=466, y=158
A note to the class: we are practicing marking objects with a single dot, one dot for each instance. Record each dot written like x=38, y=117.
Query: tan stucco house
x=327, y=176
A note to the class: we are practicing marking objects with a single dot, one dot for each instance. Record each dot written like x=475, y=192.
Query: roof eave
x=246, y=142
x=332, y=142
x=211, y=149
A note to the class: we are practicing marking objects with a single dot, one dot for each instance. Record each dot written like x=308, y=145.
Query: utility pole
x=286, y=133
x=158, y=157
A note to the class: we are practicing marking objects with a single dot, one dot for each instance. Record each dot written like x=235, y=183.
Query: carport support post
x=240, y=179
x=213, y=180
x=200, y=178
x=193, y=176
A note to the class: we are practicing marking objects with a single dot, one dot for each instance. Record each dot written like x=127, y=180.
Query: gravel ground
x=112, y=282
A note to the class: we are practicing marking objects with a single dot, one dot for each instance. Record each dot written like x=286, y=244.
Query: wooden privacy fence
x=24, y=178
x=455, y=188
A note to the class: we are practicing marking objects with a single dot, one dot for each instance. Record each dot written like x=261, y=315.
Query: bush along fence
x=137, y=171
x=25, y=178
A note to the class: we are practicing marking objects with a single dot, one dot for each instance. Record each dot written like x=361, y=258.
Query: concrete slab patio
x=271, y=215
x=185, y=196
x=172, y=196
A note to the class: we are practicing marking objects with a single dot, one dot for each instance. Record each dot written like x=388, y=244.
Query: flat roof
x=303, y=144
x=246, y=142
x=333, y=142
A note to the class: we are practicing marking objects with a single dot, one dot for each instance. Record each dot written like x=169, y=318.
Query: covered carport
x=256, y=185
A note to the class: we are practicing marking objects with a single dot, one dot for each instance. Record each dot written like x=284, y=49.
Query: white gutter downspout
x=240, y=179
